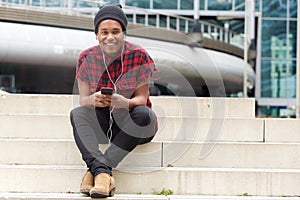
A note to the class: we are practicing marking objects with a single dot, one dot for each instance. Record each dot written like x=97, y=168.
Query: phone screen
x=107, y=91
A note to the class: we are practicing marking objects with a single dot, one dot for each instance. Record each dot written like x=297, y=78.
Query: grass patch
x=163, y=192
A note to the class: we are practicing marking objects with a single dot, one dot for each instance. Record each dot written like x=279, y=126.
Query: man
x=113, y=80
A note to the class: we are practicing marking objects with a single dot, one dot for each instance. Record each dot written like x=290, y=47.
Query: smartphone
x=106, y=90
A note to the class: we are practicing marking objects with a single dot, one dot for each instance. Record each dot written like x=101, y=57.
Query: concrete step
x=65, y=152
x=170, y=128
x=37, y=103
x=163, y=106
x=60, y=196
x=232, y=155
x=37, y=126
x=57, y=126
x=204, y=107
x=182, y=181
x=282, y=130
x=210, y=129
x=157, y=154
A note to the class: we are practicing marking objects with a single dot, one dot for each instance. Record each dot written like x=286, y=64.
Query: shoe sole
x=86, y=192
x=100, y=195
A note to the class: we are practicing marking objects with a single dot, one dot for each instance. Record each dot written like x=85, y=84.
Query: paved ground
x=35, y=196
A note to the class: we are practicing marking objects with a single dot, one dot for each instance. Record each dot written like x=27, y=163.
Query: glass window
x=152, y=20
x=274, y=8
x=161, y=4
x=202, y=5
x=191, y=25
x=273, y=38
x=84, y=4
x=138, y=3
x=187, y=5
x=112, y=1
x=278, y=81
x=293, y=39
x=140, y=19
x=219, y=5
x=53, y=3
x=266, y=90
x=293, y=8
x=278, y=78
x=269, y=111
x=291, y=80
x=257, y=6
x=239, y=5
x=36, y=2
x=173, y=23
x=129, y=17
x=182, y=25
x=162, y=21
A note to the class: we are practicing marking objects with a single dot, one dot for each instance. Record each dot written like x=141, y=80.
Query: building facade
x=275, y=43
x=273, y=36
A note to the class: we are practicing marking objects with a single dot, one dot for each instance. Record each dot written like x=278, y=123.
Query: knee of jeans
x=72, y=116
x=73, y=113
x=142, y=116
x=77, y=113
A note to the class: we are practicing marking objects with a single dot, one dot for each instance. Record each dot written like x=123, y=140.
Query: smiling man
x=123, y=118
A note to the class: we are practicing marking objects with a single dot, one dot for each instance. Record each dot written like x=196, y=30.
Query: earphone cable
x=109, y=132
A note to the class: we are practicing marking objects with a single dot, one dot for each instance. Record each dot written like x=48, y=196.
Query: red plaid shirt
x=138, y=68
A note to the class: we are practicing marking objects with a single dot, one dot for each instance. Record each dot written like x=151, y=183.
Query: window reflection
x=293, y=8
x=273, y=29
x=293, y=39
x=187, y=5
x=162, y=4
x=266, y=90
x=274, y=8
x=138, y=3
x=219, y=5
x=278, y=78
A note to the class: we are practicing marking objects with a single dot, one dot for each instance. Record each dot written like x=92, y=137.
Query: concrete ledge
x=159, y=154
x=282, y=130
x=76, y=196
x=37, y=104
x=48, y=18
x=36, y=126
x=163, y=106
x=210, y=129
x=65, y=152
x=195, y=181
x=232, y=155
x=183, y=181
x=60, y=196
x=204, y=107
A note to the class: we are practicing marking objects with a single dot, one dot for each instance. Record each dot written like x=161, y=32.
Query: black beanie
x=110, y=11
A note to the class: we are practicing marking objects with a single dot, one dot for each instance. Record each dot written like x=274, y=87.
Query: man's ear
x=124, y=34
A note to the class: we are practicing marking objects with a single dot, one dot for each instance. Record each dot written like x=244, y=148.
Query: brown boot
x=104, y=186
x=87, y=183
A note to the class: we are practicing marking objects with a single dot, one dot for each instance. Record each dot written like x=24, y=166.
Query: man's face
x=110, y=37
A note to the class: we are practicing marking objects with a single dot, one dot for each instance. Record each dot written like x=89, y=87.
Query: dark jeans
x=130, y=128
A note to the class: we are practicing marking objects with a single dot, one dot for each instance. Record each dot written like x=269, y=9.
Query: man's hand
x=118, y=101
x=101, y=100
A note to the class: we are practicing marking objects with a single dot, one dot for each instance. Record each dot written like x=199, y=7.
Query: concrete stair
x=204, y=146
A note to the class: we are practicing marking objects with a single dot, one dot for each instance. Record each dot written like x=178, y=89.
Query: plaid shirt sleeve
x=88, y=69
x=146, y=69
x=81, y=69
